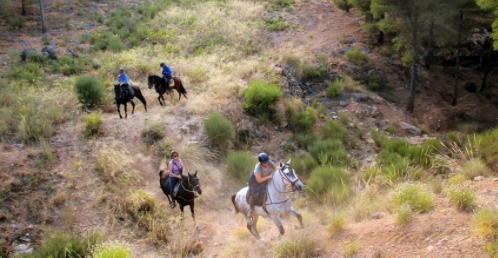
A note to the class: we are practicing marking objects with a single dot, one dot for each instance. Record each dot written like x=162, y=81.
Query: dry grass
x=185, y=241
x=115, y=167
x=473, y=168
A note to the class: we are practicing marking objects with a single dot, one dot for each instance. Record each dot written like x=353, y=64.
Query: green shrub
x=462, y=198
x=219, y=130
x=452, y=137
x=153, y=132
x=329, y=183
x=30, y=72
x=336, y=225
x=344, y=5
x=356, y=57
x=90, y=91
x=329, y=152
x=298, y=246
x=456, y=180
x=352, y=248
x=292, y=61
x=415, y=196
x=334, y=131
x=140, y=203
x=335, y=88
x=488, y=147
x=377, y=137
x=304, y=140
x=303, y=122
x=492, y=248
x=303, y=166
x=473, y=168
x=197, y=74
x=240, y=164
x=260, y=97
x=92, y=124
x=403, y=216
x=391, y=128
x=59, y=245
x=344, y=118
x=486, y=223
x=112, y=250
x=276, y=24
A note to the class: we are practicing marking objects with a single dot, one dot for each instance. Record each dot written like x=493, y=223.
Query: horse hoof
x=261, y=243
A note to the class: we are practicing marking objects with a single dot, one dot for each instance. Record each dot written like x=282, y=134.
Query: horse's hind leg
x=159, y=98
x=119, y=111
x=133, y=107
x=126, y=111
x=277, y=222
x=251, y=226
x=298, y=216
x=192, y=210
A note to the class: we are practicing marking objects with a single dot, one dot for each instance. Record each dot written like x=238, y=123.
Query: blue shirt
x=166, y=71
x=123, y=78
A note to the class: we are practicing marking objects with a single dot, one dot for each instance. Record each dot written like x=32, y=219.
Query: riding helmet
x=161, y=64
x=121, y=69
x=263, y=157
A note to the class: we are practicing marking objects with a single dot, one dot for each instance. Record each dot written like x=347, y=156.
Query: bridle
x=190, y=191
x=285, y=178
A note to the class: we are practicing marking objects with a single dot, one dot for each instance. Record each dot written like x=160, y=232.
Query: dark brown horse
x=122, y=96
x=161, y=87
x=189, y=189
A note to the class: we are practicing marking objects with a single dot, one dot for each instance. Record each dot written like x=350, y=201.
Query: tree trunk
x=23, y=7
x=483, y=84
x=430, y=47
x=457, y=68
x=411, y=101
x=42, y=17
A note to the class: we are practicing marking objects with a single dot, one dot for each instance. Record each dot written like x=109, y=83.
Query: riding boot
x=172, y=205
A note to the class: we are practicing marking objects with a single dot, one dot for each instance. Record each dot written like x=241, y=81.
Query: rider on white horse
x=258, y=181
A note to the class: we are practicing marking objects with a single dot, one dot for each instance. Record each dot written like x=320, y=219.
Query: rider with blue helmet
x=258, y=179
x=167, y=74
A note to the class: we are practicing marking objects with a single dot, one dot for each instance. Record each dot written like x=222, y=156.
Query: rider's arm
x=260, y=179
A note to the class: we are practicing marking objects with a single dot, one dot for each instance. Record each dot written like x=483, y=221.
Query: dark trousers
x=171, y=185
x=167, y=79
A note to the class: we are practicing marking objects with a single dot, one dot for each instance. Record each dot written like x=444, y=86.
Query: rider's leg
x=251, y=207
x=172, y=183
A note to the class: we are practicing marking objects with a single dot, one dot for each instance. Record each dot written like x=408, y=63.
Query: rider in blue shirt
x=167, y=73
x=123, y=81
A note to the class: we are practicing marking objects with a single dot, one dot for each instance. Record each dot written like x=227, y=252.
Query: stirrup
x=172, y=205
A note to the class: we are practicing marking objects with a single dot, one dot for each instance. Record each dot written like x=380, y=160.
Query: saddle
x=171, y=83
x=127, y=89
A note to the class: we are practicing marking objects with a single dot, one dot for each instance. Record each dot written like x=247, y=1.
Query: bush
x=303, y=122
x=488, y=147
x=486, y=223
x=304, y=140
x=335, y=88
x=344, y=5
x=344, y=118
x=276, y=24
x=404, y=216
x=298, y=246
x=115, y=167
x=303, y=166
x=452, y=137
x=329, y=152
x=153, y=132
x=112, y=250
x=336, y=225
x=219, y=130
x=492, y=248
x=416, y=197
x=140, y=203
x=60, y=245
x=356, y=57
x=259, y=98
x=330, y=183
x=473, y=168
x=240, y=164
x=90, y=91
x=334, y=131
x=462, y=198
x=196, y=74
x=92, y=124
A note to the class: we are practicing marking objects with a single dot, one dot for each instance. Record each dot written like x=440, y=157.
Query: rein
x=284, y=178
x=187, y=190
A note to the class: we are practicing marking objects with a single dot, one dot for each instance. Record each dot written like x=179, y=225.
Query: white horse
x=277, y=203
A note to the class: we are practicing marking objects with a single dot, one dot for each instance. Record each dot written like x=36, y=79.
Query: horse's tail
x=139, y=96
x=235, y=205
x=182, y=90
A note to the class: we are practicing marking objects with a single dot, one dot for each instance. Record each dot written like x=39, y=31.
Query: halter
x=187, y=190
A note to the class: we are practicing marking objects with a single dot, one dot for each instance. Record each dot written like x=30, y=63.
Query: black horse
x=189, y=189
x=123, y=96
x=161, y=87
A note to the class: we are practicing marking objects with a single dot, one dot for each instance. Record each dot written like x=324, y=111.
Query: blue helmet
x=263, y=157
x=161, y=64
x=121, y=70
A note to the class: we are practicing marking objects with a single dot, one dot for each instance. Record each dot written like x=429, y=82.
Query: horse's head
x=289, y=175
x=194, y=183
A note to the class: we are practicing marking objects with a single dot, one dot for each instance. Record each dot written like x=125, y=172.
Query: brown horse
x=161, y=87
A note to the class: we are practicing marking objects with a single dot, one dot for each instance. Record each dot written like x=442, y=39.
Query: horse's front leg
x=133, y=106
x=298, y=216
x=251, y=226
x=126, y=111
x=164, y=101
x=181, y=209
x=277, y=222
x=192, y=211
x=119, y=111
x=159, y=98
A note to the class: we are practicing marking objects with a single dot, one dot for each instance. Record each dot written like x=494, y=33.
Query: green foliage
x=304, y=140
x=335, y=88
x=329, y=183
x=140, y=203
x=492, y=248
x=486, y=223
x=60, y=245
x=491, y=6
x=356, y=57
x=92, y=124
x=344, y=5
x=90, y=91
x=333, y=130
x=219, y=130
x=276, y=24
x=336, y=225
x=112, y=250
x=473, y=168
x=404, y=216
x=303, y=122
x=240, y=164
x=329, y=152
x=298, y=246
x=351, y=249
x=106, y=41
x=29, y=73
x=152, y=133
x=391, y=128
x=303, y=166
x=488, y=148
x=452, y=137
x=415, y=196
x=461, y=197
x=197, y=74
x=260, y=97
x=456, y=180
x=344, y=118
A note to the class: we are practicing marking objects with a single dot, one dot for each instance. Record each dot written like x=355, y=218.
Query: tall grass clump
x=240, y=164
x=415, y=196
x=336, y=225
x=60, y=244
x=303, y=121
x=140, y=203
x=404, y=216
x=334, y=89
x=486, y=223
x=90, y=91
x=461, y=197
x=473, y=168
x=488, y=147
x=260, y=97
x=351, y=249
x=329, y=184
x=344, y=5
x=298, y=246
x=114, y=249
x=152, y=133
x=356, y=57
x=329, y=152
x=115, y=167
x=93, y=123
x=219, y=130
